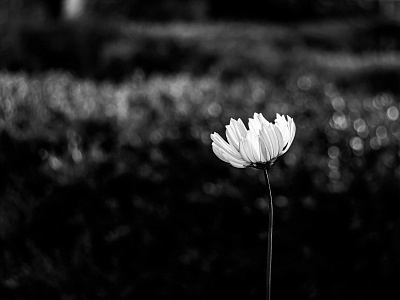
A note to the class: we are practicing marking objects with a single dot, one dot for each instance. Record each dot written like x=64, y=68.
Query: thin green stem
x=270, y=229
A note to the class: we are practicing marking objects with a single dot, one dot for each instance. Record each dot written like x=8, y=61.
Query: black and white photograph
x=199, y=149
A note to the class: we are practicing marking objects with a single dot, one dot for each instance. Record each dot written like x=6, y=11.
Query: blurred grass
x=109, y=188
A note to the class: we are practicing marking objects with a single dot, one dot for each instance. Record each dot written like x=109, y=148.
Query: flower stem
x=270, y=228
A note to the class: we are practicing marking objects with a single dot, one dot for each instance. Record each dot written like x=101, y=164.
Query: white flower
x=259, y=146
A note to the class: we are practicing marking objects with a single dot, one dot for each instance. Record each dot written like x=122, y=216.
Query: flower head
x=259, y=146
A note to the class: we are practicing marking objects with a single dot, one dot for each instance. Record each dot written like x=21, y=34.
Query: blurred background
x=109, y=188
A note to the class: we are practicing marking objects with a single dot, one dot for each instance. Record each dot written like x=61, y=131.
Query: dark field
x=109, y=188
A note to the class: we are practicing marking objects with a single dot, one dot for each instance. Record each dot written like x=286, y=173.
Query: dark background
x=108, y=185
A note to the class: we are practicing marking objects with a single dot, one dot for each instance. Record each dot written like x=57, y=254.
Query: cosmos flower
x=259, y=146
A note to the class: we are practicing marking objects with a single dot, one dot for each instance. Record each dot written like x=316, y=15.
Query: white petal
x=282, y=124
x=254, y=124
x=239, y=161
x=218, y=153
x=242, y=151
x=265, y=155
x=232, y=137
x=262, y=120
x=240, y=128
x=274, y=141
x=254, y=143
x=227, y=157
x=292, y=127
x=292, y=132
x=264, y=134
x=237, y=165
x=221, y=143
x=279, y=139
x=248, y=149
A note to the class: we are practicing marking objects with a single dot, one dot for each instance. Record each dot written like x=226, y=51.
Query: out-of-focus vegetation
x=109, y=188
x=193, y=10
x=113, y=50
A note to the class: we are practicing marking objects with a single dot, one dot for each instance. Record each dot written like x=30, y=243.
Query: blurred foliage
x=112, y=50
x=110, y=190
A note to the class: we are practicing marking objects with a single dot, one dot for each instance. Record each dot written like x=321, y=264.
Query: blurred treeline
x=108, y=185
x=196, y=10
x=109, y=40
